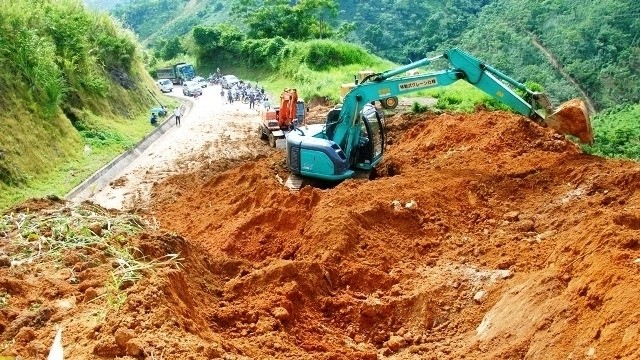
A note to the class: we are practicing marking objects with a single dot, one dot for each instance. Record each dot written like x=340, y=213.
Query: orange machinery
x=288, y=108
x=280, y=119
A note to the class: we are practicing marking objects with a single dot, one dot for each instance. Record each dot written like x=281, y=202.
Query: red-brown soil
x=481, y=236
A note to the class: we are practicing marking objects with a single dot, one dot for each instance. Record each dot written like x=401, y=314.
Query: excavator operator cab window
x=372, y=138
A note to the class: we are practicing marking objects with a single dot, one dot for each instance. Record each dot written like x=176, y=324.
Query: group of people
x=244, y=92
x=241, y=91
x=214, y=79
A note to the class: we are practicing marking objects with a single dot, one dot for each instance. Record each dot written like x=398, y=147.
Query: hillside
x=588, y=50
x=73, y=86
x=591, y=49
x=157, y=20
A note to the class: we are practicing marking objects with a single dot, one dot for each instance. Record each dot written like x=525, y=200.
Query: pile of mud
x=481, y=236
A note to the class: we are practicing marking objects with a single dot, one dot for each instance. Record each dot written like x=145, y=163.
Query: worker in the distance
x=177, y=113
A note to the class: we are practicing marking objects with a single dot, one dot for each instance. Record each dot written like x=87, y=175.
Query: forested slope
x=156, y=21
x=596, y=44
x=588, y=49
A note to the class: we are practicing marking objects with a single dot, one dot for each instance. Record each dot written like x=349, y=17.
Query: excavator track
x=294, y=182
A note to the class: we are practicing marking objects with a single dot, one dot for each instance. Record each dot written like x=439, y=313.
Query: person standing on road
x=177, y=113
x=222, y=94
x=252, y=100
x=266, y=105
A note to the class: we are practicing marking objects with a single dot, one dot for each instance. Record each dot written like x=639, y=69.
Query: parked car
x=189, y=88
x=200, y=80
x=165, y=85
x=228, y=80
x=159, y=111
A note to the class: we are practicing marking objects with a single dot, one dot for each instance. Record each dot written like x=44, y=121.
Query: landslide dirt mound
x=482, y=236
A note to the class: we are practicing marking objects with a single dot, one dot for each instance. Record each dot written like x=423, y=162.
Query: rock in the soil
x=213, y=351
x=280, y=313
x=385, y=351
x=37, y=347
x=96, y=228
x=502, y=274
x=5, y=261
x=395, y=343
x=408, y=337
x=134, y=347
x=411, y=205
x=397, y=205
x=266, y=324
x=511, y=216
x=526, y=225
x=480, y=296
x=24, y=336
x=123, y=335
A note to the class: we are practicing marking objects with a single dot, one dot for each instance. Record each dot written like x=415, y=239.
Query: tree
x=170, y=49
x=222, y=38
x=297, y=20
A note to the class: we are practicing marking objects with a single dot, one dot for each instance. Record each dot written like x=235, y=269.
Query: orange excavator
x=280, y=119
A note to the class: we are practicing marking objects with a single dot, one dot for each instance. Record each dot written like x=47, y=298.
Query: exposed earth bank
x=481, y=236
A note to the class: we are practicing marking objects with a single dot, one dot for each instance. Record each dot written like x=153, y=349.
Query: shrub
x=617, y=133
x=418, y=108
x=323, y=54
x=448, y=102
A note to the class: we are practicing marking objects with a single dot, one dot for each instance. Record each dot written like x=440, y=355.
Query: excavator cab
x=371, y=142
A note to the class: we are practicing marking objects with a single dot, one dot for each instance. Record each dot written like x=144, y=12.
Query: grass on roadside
x=102, y=140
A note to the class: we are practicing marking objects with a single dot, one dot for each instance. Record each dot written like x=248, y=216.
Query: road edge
x=104, y=175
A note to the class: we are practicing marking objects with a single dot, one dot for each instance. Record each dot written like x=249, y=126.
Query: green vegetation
x=157, y=22
x=617, y=133
x=418, y=108
x=595, y=43
x=588, y=49
x=74, y=95
x=537, y=46
x=298, y=20
x=316, y=68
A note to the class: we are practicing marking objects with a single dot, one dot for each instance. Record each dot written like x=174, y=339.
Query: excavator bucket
x=572, y=118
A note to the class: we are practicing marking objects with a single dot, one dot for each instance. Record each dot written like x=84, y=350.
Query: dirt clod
x=122, y=336
x=5, y=261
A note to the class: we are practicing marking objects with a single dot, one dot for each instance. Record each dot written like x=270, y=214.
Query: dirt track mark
x=556, y=64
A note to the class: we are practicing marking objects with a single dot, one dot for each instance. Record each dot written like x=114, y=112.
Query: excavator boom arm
x=463, y=67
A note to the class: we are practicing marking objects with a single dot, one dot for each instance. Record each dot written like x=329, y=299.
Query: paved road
x=210, y=130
